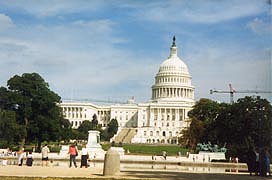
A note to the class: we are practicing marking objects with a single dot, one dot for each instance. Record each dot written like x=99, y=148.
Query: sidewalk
x=97, y=173
x=130, y=171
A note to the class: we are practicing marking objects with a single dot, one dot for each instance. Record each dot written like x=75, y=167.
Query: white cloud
x=97, y=26
x=81, y=54
x=217, y=67
x=260, y=27
x=46, y=8
x=5, y=22
x=70, y=56
x=208, y=11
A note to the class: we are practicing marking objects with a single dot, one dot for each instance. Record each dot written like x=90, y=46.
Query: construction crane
x=231, y=91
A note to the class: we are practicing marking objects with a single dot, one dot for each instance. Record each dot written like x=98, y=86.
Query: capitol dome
x=173, y=81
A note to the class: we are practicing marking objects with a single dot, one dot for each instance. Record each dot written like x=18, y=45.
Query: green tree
x=245, y=124
x=35, y=106
x=83, y=129
x=192, y=135
x=66, y=130
x=109, y=131
x=203, y=115
x=112, y=128
x=10, y=131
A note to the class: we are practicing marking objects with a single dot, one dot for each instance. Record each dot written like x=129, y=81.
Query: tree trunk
x=24, y=138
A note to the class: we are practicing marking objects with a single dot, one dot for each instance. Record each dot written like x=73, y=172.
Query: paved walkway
x=97, y=173
x=130, y=171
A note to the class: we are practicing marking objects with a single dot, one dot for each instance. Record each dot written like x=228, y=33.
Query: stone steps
x=125, y=135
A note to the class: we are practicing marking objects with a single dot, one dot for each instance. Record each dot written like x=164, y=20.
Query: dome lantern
x=173, y=81
x=173, y=49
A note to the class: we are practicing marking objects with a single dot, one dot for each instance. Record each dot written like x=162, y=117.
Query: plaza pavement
x=133, y=172
x=97, y=173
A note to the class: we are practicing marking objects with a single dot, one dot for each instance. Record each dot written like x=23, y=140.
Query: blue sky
x=112, y=50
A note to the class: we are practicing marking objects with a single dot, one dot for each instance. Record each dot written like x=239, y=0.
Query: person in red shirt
x=73, y=153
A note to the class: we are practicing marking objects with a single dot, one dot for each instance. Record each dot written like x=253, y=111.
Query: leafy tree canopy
x=83, y=129
x=10, y=132
x=242, y=125
x=35, y=106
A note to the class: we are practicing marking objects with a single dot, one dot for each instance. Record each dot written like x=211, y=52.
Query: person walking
x=267, y=162
x=257, y=162
x=84, y=156
x=45, y=151
x=251, y=160
x=73, y=153
x=20, y=155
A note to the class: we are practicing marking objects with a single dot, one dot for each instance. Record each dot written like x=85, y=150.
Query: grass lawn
x=146, y=149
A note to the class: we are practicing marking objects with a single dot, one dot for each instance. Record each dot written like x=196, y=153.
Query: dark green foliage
x=35, y=106
x=105, y=134
x=110, y=131
x=10, y=132
x=244, y=124
x=202, y=116
x=193, y=134
x=112, y=128
x=83, y=129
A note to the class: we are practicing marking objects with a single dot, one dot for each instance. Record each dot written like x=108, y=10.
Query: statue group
x=208, y=147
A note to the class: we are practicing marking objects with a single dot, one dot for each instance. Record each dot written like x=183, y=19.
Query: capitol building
x=158, y=121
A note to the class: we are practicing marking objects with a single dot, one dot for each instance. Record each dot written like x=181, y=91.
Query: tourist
x=84, y=156
x=29, y=159
x=164, y=154
x=187, y=154
x=45, y=151
x=267, y=161
x=20, y=155
x=257, y=163
x=251, y=160
x=262, y=162
x=73, y=153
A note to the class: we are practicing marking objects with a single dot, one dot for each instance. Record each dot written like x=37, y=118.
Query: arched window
x=163, y=133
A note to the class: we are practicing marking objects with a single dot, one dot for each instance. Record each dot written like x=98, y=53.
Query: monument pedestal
x=93, y=145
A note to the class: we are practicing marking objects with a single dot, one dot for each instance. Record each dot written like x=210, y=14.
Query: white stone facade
x=158, y=121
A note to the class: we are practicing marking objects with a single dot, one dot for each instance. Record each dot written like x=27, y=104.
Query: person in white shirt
x=84, y=156
x=21, y=155
x=45, y=151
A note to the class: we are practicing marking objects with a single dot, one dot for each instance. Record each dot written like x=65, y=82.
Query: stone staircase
x=125, y=135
